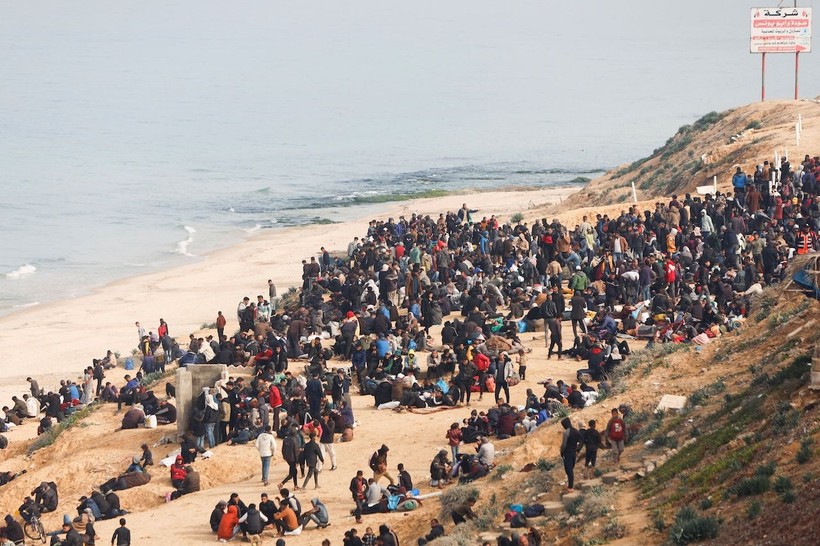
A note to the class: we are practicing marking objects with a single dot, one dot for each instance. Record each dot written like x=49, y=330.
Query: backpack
x=518, y=521
x=374, y=461
x=534, y=510
x=298, y=508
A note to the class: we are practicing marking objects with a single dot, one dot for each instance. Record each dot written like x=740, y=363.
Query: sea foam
x=22, y=271
x=182, y=246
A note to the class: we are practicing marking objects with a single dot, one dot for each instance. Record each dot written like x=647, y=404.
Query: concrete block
x=190, y=381
x=671, y=402
x=569, y=498
x=610, y=477
x=552, y=508
x=586, y=485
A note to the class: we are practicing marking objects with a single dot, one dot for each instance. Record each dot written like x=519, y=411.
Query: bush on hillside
x=690, y=527
x=751, y=486
x=804, y=454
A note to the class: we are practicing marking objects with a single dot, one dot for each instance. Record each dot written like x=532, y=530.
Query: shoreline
x=188, y=296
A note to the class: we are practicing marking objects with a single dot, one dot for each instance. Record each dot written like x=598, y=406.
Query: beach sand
x=85, y=327
x=57, y=340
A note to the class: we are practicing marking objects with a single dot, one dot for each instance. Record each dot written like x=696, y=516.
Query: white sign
x=781, y=30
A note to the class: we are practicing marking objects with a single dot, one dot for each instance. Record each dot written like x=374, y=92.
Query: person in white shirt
x=486, y=452
x=266, y=445
x=32, y=405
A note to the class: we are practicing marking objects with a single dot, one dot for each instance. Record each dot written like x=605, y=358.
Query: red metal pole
x=796, y=63
x=763, y=77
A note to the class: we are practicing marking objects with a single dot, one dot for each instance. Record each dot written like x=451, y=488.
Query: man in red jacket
x=275, y=401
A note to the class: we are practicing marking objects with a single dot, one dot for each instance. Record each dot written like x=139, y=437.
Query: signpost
x=780, y=30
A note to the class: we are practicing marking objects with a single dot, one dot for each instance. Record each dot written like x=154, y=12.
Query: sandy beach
x=77, y=330
x=187, y=297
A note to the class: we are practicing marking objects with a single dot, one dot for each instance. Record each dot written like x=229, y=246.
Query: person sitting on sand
x=190, y=484
x=318, y=514
x=440, y=469
x=178, y=472
x=229, y=525
x=166, y=413
x=133, y=418
x=13, y=531
x=285, y=520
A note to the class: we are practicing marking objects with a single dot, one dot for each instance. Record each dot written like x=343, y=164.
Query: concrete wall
x=190, y=382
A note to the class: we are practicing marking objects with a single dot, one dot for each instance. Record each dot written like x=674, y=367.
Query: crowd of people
x=683, y=272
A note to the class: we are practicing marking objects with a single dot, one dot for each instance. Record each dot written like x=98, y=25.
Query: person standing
x=570, y=446
x=140, y=332
x=358, y=486
x=378, y=464
x=266, y=445
x=274, y=301
x=291, y=451
x=616, y=434
x=592, y=440
x=220, y=325
x=578, y=313
x=328, y=431
x=313, y=455
x=122, y=535
x=162, y=329
x=503, y=371
x=314, y=390
x=34, y=387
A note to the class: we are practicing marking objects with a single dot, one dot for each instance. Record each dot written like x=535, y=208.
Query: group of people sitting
x=284, y=514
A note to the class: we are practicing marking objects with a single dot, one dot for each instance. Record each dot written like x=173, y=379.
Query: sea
x=138, y=136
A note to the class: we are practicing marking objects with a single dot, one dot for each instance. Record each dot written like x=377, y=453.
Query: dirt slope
x=711, y=146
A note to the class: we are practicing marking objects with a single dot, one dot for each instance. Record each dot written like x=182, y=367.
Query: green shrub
x=690, y=527
x=788, y=497
x=706, y=503
x=545, y=465
x=784, y=419
x=804, y=453
x=500, y=470
x=51, y=435
x=795, y=370
x=783, y=484
x=751, y=486
x=517, y=218
x=665, y=441
x=808, y=477
x=658, y=523
x=754, y=509
x=708, y=120
x=613, y=530
x=766, y=469
x=574, y=508
x=754, y=124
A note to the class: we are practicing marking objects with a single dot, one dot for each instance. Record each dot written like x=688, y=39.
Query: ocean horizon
x=139, y=138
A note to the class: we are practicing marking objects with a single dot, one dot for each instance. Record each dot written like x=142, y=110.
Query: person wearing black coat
x=312, y=454
x=216, y=515
x=14, y=532
x=571, y=444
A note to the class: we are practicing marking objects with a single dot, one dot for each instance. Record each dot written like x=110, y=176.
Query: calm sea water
x=140, y=136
